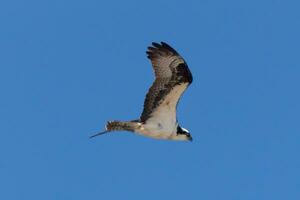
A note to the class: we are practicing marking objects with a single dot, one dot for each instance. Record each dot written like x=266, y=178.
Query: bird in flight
x=158, y=119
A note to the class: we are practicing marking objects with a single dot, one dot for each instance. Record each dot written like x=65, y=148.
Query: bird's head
x=183, y=134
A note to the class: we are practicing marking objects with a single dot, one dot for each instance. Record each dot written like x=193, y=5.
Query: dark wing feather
x=170, y=70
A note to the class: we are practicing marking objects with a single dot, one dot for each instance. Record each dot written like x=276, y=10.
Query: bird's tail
x=119, y=126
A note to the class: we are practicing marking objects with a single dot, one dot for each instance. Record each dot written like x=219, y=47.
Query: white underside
x=163, y=123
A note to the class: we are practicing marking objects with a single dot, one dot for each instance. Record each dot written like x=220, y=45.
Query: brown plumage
x=158, y=119
x=170, y=70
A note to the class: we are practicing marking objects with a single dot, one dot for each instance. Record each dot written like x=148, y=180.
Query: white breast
x=163, y=121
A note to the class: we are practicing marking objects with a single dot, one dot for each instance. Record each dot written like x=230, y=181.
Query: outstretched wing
x=172, y=78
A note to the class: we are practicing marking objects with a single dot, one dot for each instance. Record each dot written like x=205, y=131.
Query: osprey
x=158, y=119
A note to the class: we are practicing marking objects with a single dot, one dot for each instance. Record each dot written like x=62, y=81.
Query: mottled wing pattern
x=170, y=70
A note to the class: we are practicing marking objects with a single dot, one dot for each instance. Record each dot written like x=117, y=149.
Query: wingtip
x=155, y=44
x=167, y=46
x=164, y=43
x=159, y=45
x=159, y=48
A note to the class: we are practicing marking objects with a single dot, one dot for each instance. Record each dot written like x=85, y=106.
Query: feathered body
x=158, y=119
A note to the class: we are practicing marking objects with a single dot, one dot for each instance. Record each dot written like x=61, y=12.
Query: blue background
x=66, y=67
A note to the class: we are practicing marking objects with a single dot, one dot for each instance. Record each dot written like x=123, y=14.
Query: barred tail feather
x=119, y=126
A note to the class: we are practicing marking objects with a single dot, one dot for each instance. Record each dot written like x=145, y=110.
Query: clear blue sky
x=66, y=67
